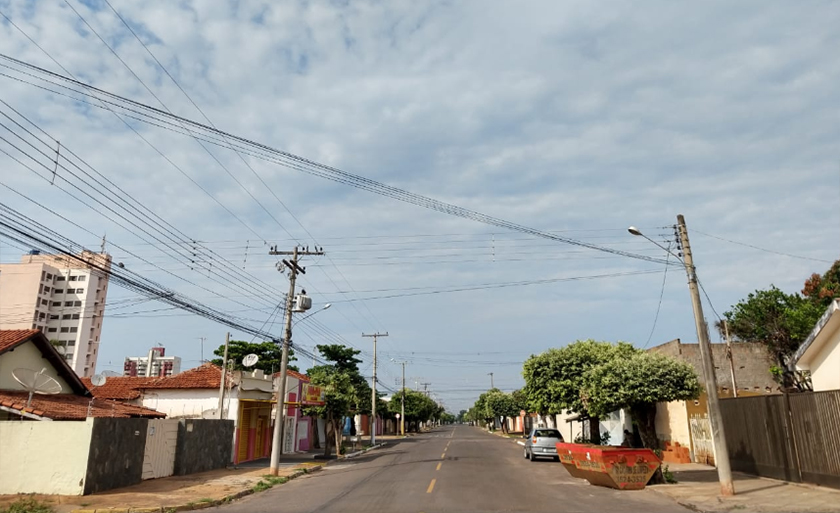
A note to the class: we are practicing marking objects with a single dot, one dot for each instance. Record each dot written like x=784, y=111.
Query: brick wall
x=752, y=363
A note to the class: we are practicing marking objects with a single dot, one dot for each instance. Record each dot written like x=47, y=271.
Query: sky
x=575, y=118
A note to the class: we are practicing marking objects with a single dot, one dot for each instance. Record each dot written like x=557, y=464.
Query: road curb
x=359, y=453
x=192, y=506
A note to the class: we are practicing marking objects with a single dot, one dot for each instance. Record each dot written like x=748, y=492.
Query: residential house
x=687, y=422
x=299, y=431
x=820, y=352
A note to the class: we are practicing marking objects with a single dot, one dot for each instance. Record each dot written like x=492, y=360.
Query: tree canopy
x=418, y=407
x=820, y=290
x=269, y=354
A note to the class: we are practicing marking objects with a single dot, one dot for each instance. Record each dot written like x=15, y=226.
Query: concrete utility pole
x=731, y=361
x=224, y=377
x=402, y=406
x=279, y=417
x=202, y=339
x=718, y=434
x=491, y=380
x=373, y=388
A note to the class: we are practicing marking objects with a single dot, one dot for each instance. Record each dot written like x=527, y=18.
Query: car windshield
x=547, y=433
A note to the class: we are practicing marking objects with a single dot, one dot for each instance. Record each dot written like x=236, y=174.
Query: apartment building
x=63, y=297
x=156, y=363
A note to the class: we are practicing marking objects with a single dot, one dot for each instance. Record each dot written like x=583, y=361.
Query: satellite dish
x=36, y=382
x=111, y=374
x=250, y=360
x=98, y=380
x=210, y=414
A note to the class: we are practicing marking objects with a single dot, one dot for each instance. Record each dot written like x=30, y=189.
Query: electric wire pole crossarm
x=279, y=417
x=373, y=388
x=715, y=419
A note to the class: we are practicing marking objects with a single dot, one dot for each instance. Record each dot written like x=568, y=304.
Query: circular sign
x=398, y=415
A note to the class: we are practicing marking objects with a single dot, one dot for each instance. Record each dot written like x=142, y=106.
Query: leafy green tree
x=780, y=321
x=418, y=408
x=555, y=378
x=339, y=397
x=637, y=382
x=269, y=354
x=500, y=406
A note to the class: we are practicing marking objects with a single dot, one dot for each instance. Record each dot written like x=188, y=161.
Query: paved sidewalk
x=698, y=489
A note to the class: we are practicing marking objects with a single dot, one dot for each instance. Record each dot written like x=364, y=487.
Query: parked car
x=540, y=443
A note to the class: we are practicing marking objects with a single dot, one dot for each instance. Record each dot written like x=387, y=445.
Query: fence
x=794, y=437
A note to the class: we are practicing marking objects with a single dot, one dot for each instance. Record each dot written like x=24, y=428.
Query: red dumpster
x=616, y=467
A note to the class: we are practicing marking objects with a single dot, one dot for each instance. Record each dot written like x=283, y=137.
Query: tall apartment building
x=61, y=296
x=155, y=364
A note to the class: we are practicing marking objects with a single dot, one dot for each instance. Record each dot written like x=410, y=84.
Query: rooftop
x=206, y=375
x=71, y=407
x=11, y=338
x=123, y=388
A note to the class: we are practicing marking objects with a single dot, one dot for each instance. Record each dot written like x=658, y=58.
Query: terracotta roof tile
x=73, y=407
x=294, y=374
x=204, y=376
x=11, y=338
x=123, y=388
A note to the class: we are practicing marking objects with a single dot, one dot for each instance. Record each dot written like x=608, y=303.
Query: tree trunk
x=339, y=428
x=328, y=429
x=594, y=431
x=645, y=418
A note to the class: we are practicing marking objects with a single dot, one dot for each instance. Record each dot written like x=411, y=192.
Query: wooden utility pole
x=373, y=388
x=224, y=378
x=279, y=417
x=718, y=433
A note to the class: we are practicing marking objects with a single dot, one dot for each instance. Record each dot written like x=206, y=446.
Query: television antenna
x=36, y=382
x=250, y=360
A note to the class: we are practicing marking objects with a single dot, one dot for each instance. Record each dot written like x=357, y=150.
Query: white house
x=820, y=352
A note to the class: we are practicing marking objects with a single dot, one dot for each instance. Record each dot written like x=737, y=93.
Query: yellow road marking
x=443, y=456
x=431, y=486
x=439, y=464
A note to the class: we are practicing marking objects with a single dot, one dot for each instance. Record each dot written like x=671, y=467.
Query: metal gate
x=159, y=455
x=701, y=439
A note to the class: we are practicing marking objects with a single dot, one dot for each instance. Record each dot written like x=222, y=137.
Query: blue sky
x=562, y=116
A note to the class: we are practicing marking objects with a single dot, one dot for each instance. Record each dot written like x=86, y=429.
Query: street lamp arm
x=635, y=231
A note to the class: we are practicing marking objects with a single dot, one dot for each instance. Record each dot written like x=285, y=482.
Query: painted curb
x=359, y=453
x=192, y=506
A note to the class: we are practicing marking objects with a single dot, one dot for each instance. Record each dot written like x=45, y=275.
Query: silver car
x=540, y=443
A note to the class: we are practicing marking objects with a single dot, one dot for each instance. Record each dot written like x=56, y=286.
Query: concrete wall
x=116, y=454
x=19, y=287
x=203, y=445
x=752, y=363
x=672, y=423
x=189, y=403
x=44, y=457
x=26, y=356
x=825, y=365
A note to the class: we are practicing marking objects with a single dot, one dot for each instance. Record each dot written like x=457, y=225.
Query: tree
x=500, y=405
x=637, y=383
x=418, y=408
x=555, y=378
x=339, y=396
x=821, y=290
x=778, y=320
x=269, y=354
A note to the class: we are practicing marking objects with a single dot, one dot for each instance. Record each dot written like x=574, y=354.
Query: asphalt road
x=454, y=468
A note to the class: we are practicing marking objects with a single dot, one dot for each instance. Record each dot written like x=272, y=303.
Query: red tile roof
x=123, y=388
x=11, y=338
x=204, y=376
x=72, y=407
x=294, y=374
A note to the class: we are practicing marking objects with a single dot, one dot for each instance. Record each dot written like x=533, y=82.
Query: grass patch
x=669, y=476
x=206, y=499
x=267, y=482
x=28, y=505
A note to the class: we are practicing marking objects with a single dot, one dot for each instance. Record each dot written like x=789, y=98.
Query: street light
x=718, y=434
x=325, y=307
x=402, y=398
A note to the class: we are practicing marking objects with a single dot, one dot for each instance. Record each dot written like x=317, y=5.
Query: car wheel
x=531, y=456
x=526, y=453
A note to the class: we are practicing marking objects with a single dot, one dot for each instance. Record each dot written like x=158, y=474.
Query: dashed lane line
x=431, y=486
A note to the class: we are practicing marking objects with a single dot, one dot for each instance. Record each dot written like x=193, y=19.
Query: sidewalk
x=698, y=489
x=182, y=493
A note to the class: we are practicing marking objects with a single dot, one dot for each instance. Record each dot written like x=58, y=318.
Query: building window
x=82, y=278
x=68, y=356
x=74, y=278
x=33, y=325
x=77, y=303
x=42, y=316
x=74, y=329
x=68, y=303
x=75, y=316
x=59, y=291
x=65, y=316
x=71, y=342
x=46, y=289
x=51, y=330
x=60, y=278
x=65, y=329
x=80, y=291
x=49, y=276
x=53, y=316
x=43, y=275
x=44, y=302
x=41, y=288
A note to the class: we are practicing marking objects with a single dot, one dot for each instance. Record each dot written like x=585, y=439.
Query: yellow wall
x=44, y=457
x=672, y=423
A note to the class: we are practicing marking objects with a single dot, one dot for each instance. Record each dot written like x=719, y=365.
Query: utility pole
x=373, y=388
x=731, y=361
x=402, y=406
x=426, y=388
x=224, y=378
x=491, y=380
x=202, y=339
x=279, y=417
x=718, y=434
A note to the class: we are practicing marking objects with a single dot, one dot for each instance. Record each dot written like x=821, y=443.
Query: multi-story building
x=156, y=363
x=64, y=297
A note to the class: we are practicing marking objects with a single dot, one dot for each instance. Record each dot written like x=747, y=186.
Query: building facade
x=156, y=363
x=64, y=297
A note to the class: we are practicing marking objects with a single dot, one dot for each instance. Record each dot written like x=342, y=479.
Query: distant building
x=155, y=364
x=62, y=296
